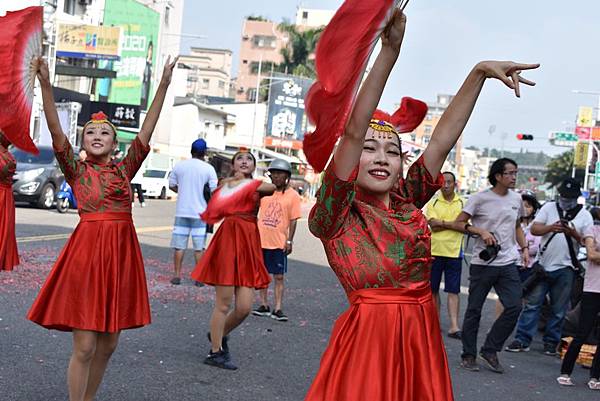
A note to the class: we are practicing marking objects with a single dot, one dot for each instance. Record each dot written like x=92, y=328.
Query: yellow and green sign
x=88, y=41
x=139, y=37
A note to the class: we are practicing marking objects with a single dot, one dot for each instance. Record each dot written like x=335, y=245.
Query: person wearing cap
x=561, y=225
x=277, y=218
x=189, y=178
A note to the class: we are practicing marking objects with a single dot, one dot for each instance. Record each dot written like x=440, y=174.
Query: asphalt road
x=164, y=360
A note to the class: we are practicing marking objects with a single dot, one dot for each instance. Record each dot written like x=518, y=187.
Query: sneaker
x=491, y=361
x=565, y=381
x=550, y=349
x=262, y=310
x=176, y=280
x=224, y=340
x=143, y=204
x=279, y=316
x=516, y=346
x=220, y=359
x=469, y=363
x=198, y=284
x=594, y=384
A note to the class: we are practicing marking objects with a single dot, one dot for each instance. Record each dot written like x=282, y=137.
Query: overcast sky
x=445, y=39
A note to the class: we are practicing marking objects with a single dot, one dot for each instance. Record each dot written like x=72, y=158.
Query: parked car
x=37, y=177
x=155, y=182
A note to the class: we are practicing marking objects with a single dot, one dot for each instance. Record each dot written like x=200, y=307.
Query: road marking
x=55, y=237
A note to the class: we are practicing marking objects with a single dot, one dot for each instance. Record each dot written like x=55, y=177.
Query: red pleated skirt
x=234, y=256
x=98, y=282
x=386, y=347
x=9, y=256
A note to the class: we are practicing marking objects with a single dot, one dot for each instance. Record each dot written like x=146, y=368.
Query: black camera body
x=490, y=252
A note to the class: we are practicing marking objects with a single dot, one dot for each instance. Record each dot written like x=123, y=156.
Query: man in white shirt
x=557, y=223
x=188, y=178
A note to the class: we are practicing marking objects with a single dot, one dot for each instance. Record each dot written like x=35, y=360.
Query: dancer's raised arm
x=347, y=154
x=43, y=75
x=455, y=119
x=159, y=98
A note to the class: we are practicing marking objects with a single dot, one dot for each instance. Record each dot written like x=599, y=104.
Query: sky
x=445, y=39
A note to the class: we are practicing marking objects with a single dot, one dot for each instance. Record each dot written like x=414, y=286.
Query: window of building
x=304, y=14
x=69, y=7
x=167, y=15
x=413, y=137
x=205, y=83
x=428, y=129
x=251, y=96
x=426, y=139
x=244, y=61
x=221, y=84
x=264, y=41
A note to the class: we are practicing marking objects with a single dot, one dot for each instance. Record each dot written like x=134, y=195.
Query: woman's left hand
x=507, y=72
x=168, y=70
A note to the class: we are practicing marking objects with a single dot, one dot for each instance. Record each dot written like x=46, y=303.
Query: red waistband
x=243, y=216
x=418, y=295
x=105, y=216
x=4, y=185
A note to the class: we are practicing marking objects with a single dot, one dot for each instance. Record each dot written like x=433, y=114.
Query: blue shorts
x=452, y=268
x=275, y=261
x=185, y=227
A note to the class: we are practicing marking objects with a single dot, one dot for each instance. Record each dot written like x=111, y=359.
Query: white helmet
x=281, y=165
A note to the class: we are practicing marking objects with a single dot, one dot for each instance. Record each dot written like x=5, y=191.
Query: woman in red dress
x=233, y=261
x=97, y=286
x=9, y=256
x=387, y=346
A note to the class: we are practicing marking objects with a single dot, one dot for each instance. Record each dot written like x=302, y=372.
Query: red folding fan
x=20, y=43
x=341, y=59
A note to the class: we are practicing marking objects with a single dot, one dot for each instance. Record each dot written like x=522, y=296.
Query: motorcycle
x=65, y=198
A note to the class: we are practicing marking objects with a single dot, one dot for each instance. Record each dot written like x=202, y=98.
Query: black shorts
x=275, y=261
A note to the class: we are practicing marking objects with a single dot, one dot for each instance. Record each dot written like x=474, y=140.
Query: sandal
x=594, y=384
x=565, y=381
x=456, y=335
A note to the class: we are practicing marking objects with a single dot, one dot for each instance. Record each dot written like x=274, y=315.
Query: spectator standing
x=561, y=225
x=446, y=248
x=277, y=218
x=136, y=187
x=590, y=308
x=496, y=217
x=189, y=178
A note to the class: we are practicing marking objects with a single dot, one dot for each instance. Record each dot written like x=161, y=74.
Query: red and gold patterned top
x=102, y=187
x=8, y=165
x=369, y=245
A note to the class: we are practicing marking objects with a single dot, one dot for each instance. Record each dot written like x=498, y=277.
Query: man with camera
x=495, y=217
x=560, y=224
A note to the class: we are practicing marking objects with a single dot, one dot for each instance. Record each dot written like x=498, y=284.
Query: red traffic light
x=524, y=137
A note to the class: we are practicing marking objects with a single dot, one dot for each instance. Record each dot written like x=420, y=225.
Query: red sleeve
x=70, y=167
x=334, y=200
x=135, y=157
x=419, y=186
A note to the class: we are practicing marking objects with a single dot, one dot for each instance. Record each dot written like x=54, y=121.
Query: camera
x=490, y=252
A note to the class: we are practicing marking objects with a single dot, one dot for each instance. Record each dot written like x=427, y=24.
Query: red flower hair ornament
x=100, y=118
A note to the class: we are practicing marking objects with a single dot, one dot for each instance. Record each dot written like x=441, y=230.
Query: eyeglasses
x=511, y=173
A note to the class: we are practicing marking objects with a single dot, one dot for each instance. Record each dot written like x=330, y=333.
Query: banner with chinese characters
x=139, y=39
x=581, y=154
x=121, y=115
x=585, y=118
x=88, y=41
x=286, y=118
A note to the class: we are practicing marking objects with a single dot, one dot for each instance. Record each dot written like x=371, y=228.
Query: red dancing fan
x=228, y=200
x=341, y=59
x=20, y=44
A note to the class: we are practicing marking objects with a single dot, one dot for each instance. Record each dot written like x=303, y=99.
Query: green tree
x=300, y=46
x=559, y=168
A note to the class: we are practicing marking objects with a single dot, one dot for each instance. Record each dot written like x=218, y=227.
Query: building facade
x=210, y=72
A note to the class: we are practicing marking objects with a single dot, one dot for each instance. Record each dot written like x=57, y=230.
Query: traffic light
x=524, y=137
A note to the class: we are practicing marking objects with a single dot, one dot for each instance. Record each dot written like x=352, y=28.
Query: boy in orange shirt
x=277, y=219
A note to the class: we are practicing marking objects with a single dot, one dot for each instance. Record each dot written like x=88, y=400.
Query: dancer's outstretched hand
x=393, y=33
x=41, y=69
x=168, y=70
x=507, y=72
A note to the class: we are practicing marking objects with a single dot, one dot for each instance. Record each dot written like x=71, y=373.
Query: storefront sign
x=88, y=41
